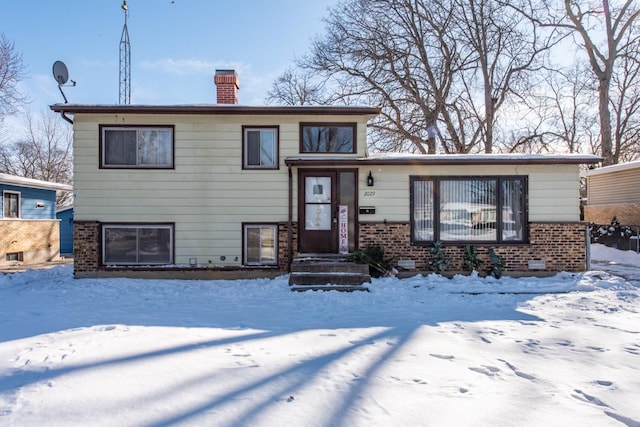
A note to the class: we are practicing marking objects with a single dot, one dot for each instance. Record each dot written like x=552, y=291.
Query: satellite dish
x=60, y=72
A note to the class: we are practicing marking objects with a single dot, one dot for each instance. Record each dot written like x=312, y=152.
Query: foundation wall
x=35, y=241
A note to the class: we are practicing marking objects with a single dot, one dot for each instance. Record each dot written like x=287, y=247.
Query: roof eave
x=214, y=109
x=443, y=160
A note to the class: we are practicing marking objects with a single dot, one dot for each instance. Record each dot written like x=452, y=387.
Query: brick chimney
x=227, y=85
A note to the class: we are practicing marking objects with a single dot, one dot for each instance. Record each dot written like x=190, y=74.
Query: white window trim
x=245, y=148
x=245, y=249
x=19, y=203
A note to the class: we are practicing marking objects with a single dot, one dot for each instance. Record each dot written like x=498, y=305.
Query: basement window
x=133, y=244
x=260, y=244
x=14, y=256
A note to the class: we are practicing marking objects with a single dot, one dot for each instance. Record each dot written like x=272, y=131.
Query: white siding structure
x=208, y=195
x=228, y=200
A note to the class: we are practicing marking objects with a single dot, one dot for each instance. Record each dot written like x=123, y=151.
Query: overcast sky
x=176, y=45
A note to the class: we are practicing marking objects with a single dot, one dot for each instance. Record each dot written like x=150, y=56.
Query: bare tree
x=624, y=100
x=560, y=114
x=12, y=71
x=609, y=33
x=508, y=49
x=297, y=87
x=393, y=54
x=439, y=70
x=43, y=151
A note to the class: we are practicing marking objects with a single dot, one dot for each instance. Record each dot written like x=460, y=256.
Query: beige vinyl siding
x=553, y=189
x=208, y=195
x=616, y=187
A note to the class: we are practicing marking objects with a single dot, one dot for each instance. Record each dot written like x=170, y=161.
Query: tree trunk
x=605, y=123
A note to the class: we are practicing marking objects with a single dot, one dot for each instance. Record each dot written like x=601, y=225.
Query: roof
x=215, y=109
x=613, y=168
x=33, y=183
x=444, y=159
x=64, y=209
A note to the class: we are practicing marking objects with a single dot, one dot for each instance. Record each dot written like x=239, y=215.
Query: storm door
x=322, y=193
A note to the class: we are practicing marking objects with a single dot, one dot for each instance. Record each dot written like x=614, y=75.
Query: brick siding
x=283, y=251
x=562, y=246
x=38, y=240
x=626, y=214
x=86, y=246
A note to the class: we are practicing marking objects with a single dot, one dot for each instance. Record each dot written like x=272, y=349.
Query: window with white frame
x=260, y=244
x=260, y=147
x=10, y=204
x=148, y=147
x=468, y=209
x=131, y=244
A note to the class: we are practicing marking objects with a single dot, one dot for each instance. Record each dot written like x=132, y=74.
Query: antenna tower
x=125, y=60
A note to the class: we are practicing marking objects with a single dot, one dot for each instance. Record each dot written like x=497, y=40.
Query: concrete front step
x=334, y=278
x=324, y=266
x=340, y=288
x=327, y=273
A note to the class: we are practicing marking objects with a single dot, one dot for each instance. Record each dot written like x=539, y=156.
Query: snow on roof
x=449, y=159
x=34, y=183
x=489, y=157
x=613, y=168
x=64, y=209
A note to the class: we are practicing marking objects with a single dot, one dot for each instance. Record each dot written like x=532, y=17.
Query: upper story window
x=327, y=137
x=10, y=204
x=136, y=147
x=260, y=147
x=474, y=209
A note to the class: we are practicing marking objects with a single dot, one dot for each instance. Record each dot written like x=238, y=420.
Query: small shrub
x=374, y=257
x=439, y=261
x=613, y=235
x=497, y=263
x=470, y=259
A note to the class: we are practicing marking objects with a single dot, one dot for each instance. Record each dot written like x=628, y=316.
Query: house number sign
x=343, y=228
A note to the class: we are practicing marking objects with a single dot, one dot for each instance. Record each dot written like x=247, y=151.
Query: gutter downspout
x=290, y=222
x=64, y=116
x=62, y=113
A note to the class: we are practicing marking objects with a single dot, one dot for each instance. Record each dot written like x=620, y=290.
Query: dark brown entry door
x=318, y=212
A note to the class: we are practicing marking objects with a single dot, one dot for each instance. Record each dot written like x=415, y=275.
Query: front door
x=318, y=212
x=321, y=194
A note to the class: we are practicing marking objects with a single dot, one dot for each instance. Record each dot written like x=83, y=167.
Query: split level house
x=29, y=230
x=241, y=191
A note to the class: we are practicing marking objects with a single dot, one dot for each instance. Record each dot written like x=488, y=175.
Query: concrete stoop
x=327, y=273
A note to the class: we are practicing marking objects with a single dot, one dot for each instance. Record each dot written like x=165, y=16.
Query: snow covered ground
x=560, y=351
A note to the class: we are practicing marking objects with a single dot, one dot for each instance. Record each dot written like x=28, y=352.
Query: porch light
x=370, y=180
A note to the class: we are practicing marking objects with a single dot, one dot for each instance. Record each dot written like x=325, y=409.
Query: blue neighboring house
x=29, y=229
x=65, y=215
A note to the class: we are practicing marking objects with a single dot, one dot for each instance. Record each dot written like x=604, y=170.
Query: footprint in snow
x=604, y=383
x=517, y=371
x=442, y=356
x=580, y=395
x=487, y=370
